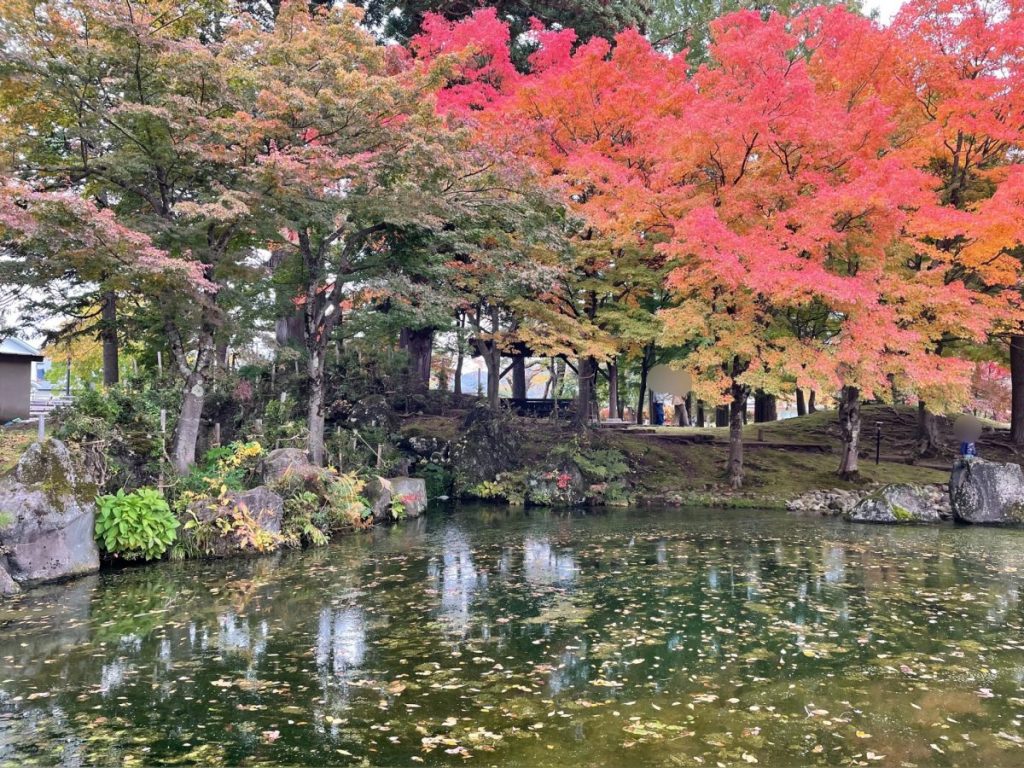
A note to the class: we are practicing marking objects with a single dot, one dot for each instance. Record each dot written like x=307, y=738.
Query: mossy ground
x=13, y=442
x=664, y=468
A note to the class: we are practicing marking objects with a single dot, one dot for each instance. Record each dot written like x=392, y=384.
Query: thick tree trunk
x=700, y=413
x=418, y=344
x=492, y=360
x=765, y=408
x=1017, y=390
x=928, y=441
x=315, y=447
x=587, y=372
x=186, y=431
x=613, y=390
x=519, y=377
x=108, y=335
x=645, y=366
x=457, y=384
x=722, y=415
x=801, y=403
x=737, y=408
x=849, y=428
x=288, y=330
x=810, y=402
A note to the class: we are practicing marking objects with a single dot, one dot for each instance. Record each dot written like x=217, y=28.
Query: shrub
x=135, y=525
x=117, y=431
x=346, y=506
x=226, y=468
x=305, y=520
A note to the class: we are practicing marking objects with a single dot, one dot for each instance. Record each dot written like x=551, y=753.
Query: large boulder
x=237, y=523
x=987, y=492
x=286, y=464
x=490, y=444
x=899, y=504
x=49, y=513
x=8, y=586
x=382, y=491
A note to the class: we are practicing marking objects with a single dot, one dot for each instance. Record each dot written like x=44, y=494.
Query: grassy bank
x=783, y=459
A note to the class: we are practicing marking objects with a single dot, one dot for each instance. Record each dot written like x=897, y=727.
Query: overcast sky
x=886, y=8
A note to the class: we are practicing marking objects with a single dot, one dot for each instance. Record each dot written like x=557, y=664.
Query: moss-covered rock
x=899, y=504
x=50, y=515
x=491, y=445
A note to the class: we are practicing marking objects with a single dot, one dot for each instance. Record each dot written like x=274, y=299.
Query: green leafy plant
x=135, y=525
x=305, y=520
x=398, y=507
x=228, y=466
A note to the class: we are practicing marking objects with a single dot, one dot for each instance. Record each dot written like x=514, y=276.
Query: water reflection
x=340, y=642
x=455, y=578
x=607, y=630
x=543, y=564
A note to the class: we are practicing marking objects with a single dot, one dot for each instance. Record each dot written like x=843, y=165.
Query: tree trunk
x=492, y=359
x=613, y=390
x=315, y=419
x=1017, y=390
x=683, y=413
x=186, y=431
x=460, y=354
x=108, y=335
x=418, y=343
x=722, y=415
x=810, y=402
x=801, y=404
x=765, y=408
x=700, y=414
x=737, y=408
x=457, y=384
x=587, y=371
x=849, y=428
x=620, y=386
x=645, y=366
x=928, y=442
x=519, y=377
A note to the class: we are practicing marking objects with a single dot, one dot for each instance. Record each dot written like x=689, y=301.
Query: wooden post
x=379, y=458
x=159, y=364
x=163, y=445
x=216, y=434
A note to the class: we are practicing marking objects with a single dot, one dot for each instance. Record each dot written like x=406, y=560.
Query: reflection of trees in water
x=237, y=635
x=455, y=577
x=542, y=564
x=340, y=642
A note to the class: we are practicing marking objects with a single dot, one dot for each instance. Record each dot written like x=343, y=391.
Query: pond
x=493, y=636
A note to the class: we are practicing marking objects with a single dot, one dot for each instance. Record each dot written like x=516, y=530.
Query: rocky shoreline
x=979, y=492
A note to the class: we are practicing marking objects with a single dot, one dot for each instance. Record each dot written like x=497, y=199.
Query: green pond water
x=489, y=636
